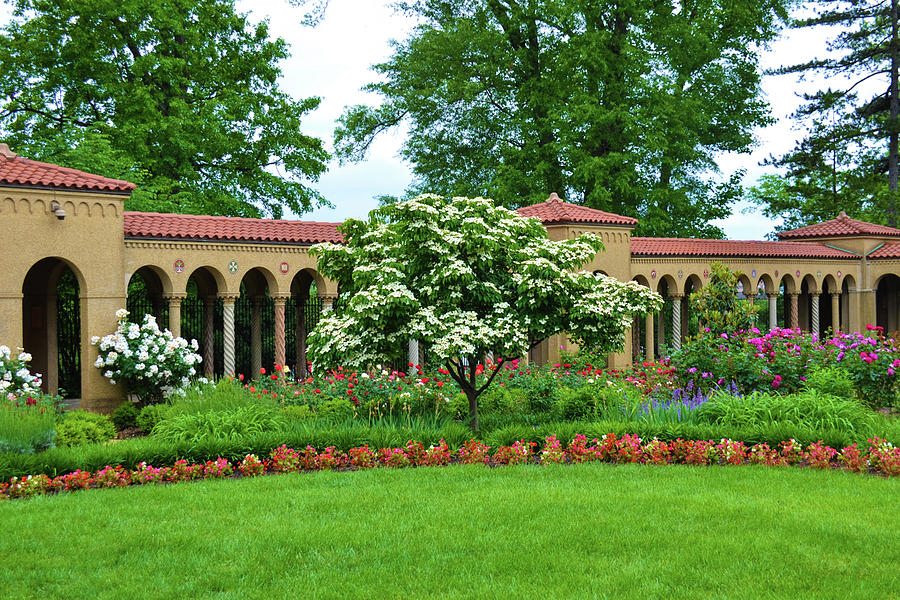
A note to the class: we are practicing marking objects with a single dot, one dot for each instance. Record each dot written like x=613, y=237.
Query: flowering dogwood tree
x=469, y=279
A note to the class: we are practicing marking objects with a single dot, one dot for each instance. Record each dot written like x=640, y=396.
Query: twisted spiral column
x=815, y=314
x=795, y=310
x=676, y=322
x=280, y=302
x=228, y=314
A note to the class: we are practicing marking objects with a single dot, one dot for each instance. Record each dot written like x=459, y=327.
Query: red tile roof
x=15, y=170
x=555, y=211
x=886, y=251
x=841, y=226
x=641, y=246
x=237, y=229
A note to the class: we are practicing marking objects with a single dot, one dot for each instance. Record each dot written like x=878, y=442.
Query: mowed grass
x=582, y=531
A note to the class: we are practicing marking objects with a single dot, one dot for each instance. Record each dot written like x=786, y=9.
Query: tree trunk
x=895, y=112
x=472, y=395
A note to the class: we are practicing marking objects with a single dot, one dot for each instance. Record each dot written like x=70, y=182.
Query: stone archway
x=52, y=329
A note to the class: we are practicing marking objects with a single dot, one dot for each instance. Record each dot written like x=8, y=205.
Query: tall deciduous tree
x=620, y=105
x=180, y=96
x=849, y=159
x=469, y=279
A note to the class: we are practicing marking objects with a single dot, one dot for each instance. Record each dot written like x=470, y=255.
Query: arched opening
x=788, y=303
x=830, y=305
x=302, y=313
x=665, y=339
x=887, y=303
x=767, y=298
x=690, y=323
x=639, y=328
x=202, y=319
x=848, y=288
x=51, y=325
x=145, y=297
x=809, y=306
x=254, y=321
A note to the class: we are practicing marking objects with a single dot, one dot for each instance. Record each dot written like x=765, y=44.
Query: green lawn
x=583, y=531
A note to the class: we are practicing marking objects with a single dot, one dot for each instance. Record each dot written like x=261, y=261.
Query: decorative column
x=301, y=336
x=794, y=297
x=328, y=302
x=228, y=335
x=209, y=347
x=814, y=317
x=835, y=313
x=174, y=301
x=280, y=302
x=648, y=337
x=413, y=355
x=256, y=336
x=676, y=322
x=773, y=310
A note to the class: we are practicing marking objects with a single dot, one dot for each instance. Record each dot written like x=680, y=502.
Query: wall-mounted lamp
x=57, y=210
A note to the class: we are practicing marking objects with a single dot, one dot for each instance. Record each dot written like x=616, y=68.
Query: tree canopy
x=179, y=96
x=848, y=159
x=619, y=105
x=467, y=278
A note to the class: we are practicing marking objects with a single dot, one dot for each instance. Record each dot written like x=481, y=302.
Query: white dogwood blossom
x=467, y=278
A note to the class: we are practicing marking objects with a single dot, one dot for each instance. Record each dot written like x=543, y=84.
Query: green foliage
x=233, y=424
x=717, y=306
x=150, y=416
x=809, y=408
x=80, y=427
x=336, y=410
x=300, y=413
x=576, y=405
x=125, y=416
x=830, y=380
x=621, y=106
x=26, y=429
x=182, y=98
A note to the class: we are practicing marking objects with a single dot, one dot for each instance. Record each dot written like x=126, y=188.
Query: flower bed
x=879, y=458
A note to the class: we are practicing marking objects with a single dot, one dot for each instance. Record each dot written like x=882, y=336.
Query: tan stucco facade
x=90, y=240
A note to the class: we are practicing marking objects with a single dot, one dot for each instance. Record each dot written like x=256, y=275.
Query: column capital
x=815, y=294
x=792, y=293
x=835, y=294
x=281, y=299
x=328, y=297
x=170, y=296
x=229, y=298
x=676, y=296
x=771, y=295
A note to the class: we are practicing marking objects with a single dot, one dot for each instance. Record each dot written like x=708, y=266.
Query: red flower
x=262, y=370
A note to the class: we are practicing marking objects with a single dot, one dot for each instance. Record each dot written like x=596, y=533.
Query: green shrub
x=80, y=427
x=232, y=424
x=125, y=416
x=576, y=405
x=150, y=416
x=833, y=381
x=336, y=410
x=299, y=413
x=26, y=429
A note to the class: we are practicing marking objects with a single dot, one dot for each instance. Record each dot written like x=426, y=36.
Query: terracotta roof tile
x=841, y=226
x=15, y=170
x=554, y=210
x=886, y=251
x=201, y=227
x=641, y=246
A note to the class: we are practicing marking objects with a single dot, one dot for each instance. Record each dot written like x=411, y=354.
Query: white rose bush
x=15, y=377
x=151, y=362
x=470, y=279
